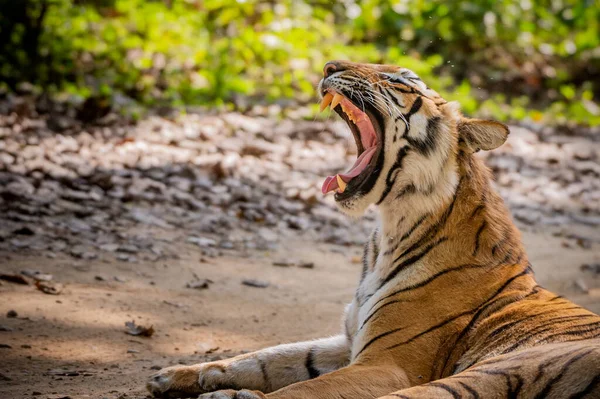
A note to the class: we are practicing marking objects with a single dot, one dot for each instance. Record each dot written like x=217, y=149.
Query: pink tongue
x=361, y=163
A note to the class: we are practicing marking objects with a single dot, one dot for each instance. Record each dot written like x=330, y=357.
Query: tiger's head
x=408, y=137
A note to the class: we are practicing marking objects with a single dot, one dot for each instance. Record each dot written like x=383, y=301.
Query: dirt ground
x=74, y=344
x=125, y=216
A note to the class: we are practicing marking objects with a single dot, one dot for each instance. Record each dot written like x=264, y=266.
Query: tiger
x=447, y=305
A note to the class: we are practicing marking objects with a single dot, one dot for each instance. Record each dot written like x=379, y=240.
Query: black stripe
x=388, y=94
x=425, y=145
x=265, y=375
x=446, y=388
x=365, y=262
x=478, y=209
x=511, y=392
x=544, y=392
x=467, y=388
x=410, y=261
x=501, y=242
x=478, y=236
x=415, y=107
x=377, y=338
x=410, y=189
x=310, y=366
x=369, y=317
x=388, y=180
x=375, y=247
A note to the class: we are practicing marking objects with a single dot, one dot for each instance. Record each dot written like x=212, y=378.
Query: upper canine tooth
x=325, y=102
x=337, y=98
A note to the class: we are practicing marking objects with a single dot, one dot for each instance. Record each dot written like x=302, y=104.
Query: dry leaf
x=133, y=329
x=199, y=284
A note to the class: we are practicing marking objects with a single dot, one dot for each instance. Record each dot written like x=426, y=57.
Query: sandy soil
x=81, y=331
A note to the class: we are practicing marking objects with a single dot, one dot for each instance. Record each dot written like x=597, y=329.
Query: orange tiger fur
x=447, y=305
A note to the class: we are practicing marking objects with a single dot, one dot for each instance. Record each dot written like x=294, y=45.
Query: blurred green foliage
x=508, y=59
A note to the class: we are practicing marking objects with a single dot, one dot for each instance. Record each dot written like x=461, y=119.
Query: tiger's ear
x=479, y=134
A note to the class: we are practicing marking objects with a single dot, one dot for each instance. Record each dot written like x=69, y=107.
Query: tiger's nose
x=331, y=67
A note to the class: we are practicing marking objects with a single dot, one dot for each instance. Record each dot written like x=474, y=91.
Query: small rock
x=580, y=284
x=26, y=346
x=5, y=328
x=37, y=275
x=202, y=241
x=11, y=314
x=81, y=252
x=132, y=351
x=24, y=231
x=109, y=247
x=306, y=265
x=226, y=245
x=99, y=278
x=592, y=267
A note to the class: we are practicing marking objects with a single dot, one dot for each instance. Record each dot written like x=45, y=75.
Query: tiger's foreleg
x=266, y=370
x=359, y=380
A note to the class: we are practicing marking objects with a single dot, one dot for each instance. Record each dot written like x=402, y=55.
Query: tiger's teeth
x=341, y=184
x=337, y=98
x=325, y=102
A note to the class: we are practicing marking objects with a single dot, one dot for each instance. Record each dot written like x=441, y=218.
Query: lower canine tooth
x=341, y=184
x=337, y=98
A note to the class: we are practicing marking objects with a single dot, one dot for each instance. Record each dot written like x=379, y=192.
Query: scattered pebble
x=49, y=287
x=582, y=285
x=283, y=263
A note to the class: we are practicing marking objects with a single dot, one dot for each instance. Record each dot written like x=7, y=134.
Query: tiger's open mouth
x=366, y=132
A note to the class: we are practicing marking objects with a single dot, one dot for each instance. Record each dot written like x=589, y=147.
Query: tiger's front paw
x=187, y=381
x=232, y=394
